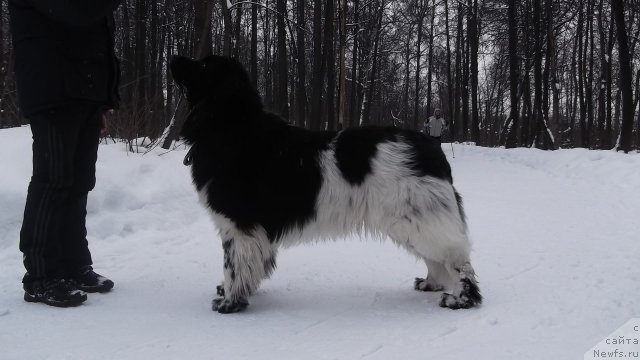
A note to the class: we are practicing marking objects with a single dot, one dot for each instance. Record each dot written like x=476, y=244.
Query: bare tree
x=430, y=69
x=626, y=73
x=253, y=57
x=282, y=103
x=512, y=126
x=329, y=60
x=318, y=69
x=474, y=38
x=422, y=7
x=342, y=97
x=204, y=27
x=538, y=73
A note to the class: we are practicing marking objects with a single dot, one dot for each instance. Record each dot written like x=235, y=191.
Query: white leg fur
x=248, y=259
x=437, y=279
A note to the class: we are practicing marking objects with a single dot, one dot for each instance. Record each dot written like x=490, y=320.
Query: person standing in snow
x=67, y=77
x=435, y=125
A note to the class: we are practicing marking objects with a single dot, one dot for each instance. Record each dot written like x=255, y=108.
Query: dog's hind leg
x=465, y=293
x=436, y=279
x=432, y=226
x=449, y=269
x=248, y=260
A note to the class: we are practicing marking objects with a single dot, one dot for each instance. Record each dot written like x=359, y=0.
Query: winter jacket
x=435, y=126
x=64, y=53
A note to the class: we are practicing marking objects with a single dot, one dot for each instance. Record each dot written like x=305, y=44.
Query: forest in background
x=533, y=73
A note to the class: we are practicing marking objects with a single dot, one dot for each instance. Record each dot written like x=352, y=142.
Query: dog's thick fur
x=268, y=184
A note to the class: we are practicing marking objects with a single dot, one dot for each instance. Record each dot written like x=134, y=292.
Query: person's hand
x=104, y=121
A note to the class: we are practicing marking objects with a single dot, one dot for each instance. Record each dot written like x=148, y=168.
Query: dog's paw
x=421, y=284
x=220, y=290
x=225, y=306
x=454, y=302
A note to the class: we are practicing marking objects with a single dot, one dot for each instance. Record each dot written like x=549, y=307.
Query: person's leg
x=75, y=252
x=55, y=134
x=54, y=139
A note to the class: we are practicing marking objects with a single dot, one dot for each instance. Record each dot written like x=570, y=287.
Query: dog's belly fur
x=393, y=195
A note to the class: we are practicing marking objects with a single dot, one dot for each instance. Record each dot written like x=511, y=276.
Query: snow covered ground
x=556, y=246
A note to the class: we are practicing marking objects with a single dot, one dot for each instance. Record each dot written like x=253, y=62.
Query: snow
x=555, y=247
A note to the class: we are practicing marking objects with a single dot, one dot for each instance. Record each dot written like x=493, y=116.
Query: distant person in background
x=67, y=77
x=435, y=125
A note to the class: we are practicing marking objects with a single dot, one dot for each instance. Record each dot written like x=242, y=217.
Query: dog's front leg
x=248, y=259
x=231, y=301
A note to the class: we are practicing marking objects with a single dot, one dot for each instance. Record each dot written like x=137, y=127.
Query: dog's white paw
x=422, y=284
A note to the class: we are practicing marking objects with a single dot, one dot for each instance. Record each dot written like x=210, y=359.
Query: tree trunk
x=464, y=83
x=430, y=69
x=449, y=113
x=602, y=92
x=301, y=95
x=528, y=122
x=528, y=128
x=3, y=68
x=226, y=16
x=170, y=105
x=551, y=78
x=267, y=59
x=542, y=140
x=456, y=126
x=329, y=58
x=616, y=116
x=635, y=104
x=364, y=62
x=354, y=116
x=511, y=129
x=407, y=79
x=171, y=109
x=342, y=97
x=538, y=102
x=582, y=142
x=318, y=71
x=372, y=78
x=253, y=57
x=237, y=34
x=157, y=93
x=141, y=54
x=283, y=95
x=608, y=133
x=589, y=89
x=472, y=29
x=416, y=104
x=626, y=76
x=574, y=90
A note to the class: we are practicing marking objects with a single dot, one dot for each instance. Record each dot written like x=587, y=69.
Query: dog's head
x=217, y=89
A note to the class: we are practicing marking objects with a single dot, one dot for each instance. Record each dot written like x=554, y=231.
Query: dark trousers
x=53, y=238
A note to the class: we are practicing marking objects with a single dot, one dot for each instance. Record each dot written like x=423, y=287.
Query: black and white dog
x=268, y=184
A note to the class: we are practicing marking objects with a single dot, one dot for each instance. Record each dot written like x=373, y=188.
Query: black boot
x=88, y=280
x=58, y=292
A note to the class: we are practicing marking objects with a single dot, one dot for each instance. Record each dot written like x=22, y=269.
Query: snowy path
x=556, y=239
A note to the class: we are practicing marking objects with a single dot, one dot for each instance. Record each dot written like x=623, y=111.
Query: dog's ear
x=186, y=72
